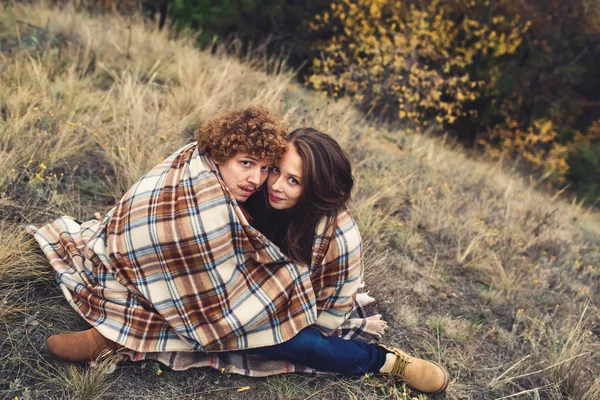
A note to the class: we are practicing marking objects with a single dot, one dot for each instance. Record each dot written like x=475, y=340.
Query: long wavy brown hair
x=327, y=185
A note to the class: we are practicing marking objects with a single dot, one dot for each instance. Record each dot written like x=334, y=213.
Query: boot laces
x=400, y=364
x=402, y=360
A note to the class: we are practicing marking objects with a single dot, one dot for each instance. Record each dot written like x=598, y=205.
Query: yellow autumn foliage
x=403, y=61
x=421, y=63
x=536, y=144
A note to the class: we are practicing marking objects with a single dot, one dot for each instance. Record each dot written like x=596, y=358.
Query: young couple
x=185, y=263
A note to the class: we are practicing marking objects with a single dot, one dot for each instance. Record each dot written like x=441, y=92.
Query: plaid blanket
x=354, y=328
x=175, y=267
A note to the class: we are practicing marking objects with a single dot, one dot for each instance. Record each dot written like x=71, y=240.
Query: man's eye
x=265, y=168
x=275, y=170
x=246, y=163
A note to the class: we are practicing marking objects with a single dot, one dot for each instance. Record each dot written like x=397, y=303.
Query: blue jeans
x=326, y=353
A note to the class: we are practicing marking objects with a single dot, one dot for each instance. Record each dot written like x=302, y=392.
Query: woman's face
x=285, y=181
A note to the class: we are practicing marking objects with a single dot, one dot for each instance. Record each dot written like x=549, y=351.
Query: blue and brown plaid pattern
x=175, y=266
x=354, y=328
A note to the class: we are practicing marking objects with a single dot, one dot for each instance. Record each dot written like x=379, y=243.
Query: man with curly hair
x=243, y=144
x=173, y=266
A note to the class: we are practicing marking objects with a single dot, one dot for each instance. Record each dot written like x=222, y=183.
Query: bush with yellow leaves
x=398, y=59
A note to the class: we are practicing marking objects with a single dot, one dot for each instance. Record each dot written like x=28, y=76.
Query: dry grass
x=471, y=265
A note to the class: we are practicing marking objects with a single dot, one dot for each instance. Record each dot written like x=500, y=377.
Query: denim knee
x=310, y=342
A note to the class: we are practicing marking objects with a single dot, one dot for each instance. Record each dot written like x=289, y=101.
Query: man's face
x=244, y=174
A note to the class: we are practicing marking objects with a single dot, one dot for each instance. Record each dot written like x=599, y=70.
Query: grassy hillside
x=471, y=266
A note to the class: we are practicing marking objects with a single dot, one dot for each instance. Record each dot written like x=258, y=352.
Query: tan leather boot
x=80, y=346
x=424, y=376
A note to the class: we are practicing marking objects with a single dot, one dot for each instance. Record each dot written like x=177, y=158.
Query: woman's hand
x=376, y=324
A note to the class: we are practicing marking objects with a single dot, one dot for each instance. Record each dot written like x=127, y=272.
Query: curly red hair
x=254, y=130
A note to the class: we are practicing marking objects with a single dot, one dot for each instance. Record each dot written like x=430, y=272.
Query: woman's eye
x=275, y=170
x=293, y=181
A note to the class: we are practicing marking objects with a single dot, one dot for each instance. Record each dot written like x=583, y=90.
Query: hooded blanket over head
x=175, y=266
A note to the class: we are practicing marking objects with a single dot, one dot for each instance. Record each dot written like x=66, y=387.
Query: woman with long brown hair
x=308, y=192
